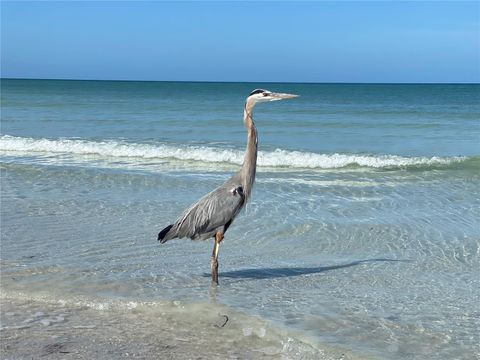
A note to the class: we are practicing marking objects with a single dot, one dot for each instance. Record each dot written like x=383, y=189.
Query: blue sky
x=381, y=41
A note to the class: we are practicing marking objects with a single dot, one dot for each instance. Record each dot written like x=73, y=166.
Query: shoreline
x=65, y=330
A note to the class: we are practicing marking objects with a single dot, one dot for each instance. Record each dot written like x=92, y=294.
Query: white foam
x=283, y=158
x=206, y=154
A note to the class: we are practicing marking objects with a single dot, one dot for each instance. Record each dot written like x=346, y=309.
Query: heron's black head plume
x=258, y=91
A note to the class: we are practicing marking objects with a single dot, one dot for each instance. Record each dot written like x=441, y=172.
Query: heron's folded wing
x=212, y=211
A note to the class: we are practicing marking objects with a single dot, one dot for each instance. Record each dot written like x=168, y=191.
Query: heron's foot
x=214, y=268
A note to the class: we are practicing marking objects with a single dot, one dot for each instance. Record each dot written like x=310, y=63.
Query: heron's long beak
x=281, y=96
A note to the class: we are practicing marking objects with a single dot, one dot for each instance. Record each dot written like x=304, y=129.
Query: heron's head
x=261, y=95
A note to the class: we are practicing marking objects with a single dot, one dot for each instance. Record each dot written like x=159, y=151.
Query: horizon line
x=250, y=82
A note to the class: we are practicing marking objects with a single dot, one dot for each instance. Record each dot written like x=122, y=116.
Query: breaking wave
x=209, y=154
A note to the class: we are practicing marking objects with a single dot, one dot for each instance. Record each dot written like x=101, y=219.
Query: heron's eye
x=265, y=94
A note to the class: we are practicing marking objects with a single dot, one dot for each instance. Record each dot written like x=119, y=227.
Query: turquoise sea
x=362, y=238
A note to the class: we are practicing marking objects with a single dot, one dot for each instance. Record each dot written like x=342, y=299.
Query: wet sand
x=34, y=329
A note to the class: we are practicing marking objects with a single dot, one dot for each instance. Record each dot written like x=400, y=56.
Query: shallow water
x=368, y=248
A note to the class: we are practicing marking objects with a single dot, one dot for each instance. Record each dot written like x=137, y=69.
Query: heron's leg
x=214, y=261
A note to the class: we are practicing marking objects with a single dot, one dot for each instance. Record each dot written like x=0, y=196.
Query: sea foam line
x=206, y=154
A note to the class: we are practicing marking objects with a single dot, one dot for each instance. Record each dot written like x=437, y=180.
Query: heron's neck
x=249, y=166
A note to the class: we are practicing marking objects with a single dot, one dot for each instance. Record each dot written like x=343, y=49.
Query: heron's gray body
x=212, y=215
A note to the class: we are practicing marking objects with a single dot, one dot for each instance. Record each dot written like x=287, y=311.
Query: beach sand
x=36, y=329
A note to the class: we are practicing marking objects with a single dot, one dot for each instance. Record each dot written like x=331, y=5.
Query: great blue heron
x=212, y=215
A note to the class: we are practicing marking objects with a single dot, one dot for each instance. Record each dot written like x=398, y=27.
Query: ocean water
x=362, y=238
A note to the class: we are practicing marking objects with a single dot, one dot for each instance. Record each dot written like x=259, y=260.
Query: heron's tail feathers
x=162, y=235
